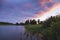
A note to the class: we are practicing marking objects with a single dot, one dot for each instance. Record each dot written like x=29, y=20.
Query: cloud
x=44, y=2
x=25, y=9
x=52, y=11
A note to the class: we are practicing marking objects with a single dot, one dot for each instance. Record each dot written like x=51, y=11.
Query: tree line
x=46, y=23
x=50, y=28
x=30, y=22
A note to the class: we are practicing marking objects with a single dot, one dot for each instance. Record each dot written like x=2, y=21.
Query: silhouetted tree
x=48, y=22
x=17, y=23
x=5, y=23
x=27, y=22
x=38, y=21
x=33, y=21
x=30, y=21
x=22, y=23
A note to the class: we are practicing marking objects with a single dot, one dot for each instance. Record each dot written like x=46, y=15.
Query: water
x=15, y=32
x=11, y=32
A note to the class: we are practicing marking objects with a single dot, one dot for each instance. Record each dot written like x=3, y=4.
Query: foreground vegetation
x=33, y=28
x=50, y=28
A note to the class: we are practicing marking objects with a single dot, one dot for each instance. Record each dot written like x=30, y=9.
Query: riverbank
x=50, y=33
x=50, y=29
x=33, y=28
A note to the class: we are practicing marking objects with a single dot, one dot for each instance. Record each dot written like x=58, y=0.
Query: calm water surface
x=15, y=32
x=11, y=32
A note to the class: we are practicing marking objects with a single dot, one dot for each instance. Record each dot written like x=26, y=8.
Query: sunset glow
x=20, y=10
x=53, y=11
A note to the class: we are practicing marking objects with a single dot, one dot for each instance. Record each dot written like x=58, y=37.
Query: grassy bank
x=50, y=29
x=52, y=33
x=33, y=28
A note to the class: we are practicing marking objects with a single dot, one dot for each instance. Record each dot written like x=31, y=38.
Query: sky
x=20, y=10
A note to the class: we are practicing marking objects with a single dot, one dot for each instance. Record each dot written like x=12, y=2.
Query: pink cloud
x=49, y=12
x=50, y=0
x=43, y=2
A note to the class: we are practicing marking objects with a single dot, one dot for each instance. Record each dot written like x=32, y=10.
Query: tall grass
x=50, y=29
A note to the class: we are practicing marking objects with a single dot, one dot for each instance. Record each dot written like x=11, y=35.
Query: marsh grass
x=50, y=30
x=33, y=28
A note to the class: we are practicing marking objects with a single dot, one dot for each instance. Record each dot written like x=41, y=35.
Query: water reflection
x=31, y=36
x=17, y=33
x=11, y=32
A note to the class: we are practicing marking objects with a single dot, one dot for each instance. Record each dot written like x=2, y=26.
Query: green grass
x=52, y=32
x=33, y=28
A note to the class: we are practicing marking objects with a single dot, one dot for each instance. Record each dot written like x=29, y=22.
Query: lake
x=15, y=32
x=9, y=32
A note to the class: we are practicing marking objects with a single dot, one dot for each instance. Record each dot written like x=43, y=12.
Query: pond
x=15, y=32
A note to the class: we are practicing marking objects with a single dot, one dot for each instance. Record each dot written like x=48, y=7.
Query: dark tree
x=48, y=22
x=22, y=23
x=33, y=21
x=38, y=21
x=30, y=21
x=17, y=23
x=27, y=22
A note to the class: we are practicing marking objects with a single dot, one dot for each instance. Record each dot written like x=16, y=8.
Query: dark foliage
x=27, y=22
x=22, y=23
x=50, y=28
x=38, y=21
x=17, y=23
x=33, y=21
x=5, y=23
x=49, y=21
